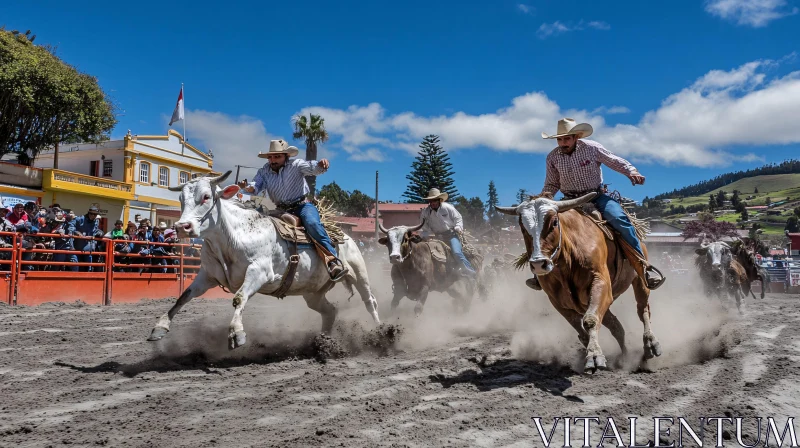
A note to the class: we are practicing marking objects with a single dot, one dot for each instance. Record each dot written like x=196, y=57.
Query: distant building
x=399, y=214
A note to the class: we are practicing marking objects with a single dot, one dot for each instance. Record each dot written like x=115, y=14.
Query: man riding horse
x=574, y=168
x=443, y=220
x=283, y=178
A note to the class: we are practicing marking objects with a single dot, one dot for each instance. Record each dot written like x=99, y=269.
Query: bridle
x=555, y=253
x=208, y=213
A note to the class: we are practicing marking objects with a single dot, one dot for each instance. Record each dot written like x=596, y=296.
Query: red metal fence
x=116, y=277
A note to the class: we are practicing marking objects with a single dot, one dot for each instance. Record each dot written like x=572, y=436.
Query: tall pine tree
x=492, y=201
x=430, y=169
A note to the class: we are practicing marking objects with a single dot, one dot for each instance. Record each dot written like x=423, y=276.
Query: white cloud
x=233, y=140
x=613, y=110
x=552, y=29
x=691, y=127
x=755, y=13
x=525, y=9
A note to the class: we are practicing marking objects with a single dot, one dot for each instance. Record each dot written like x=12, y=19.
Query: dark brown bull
x=415, y=273
x=582, y=272
x=753, y=271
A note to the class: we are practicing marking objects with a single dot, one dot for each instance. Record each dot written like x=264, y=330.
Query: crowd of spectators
x=53, y=229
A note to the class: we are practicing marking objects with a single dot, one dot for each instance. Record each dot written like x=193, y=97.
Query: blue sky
x=684, y=89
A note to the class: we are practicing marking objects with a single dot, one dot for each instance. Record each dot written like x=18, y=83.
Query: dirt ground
x=85, y=376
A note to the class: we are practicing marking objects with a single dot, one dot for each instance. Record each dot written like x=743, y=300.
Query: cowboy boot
x=533, y=283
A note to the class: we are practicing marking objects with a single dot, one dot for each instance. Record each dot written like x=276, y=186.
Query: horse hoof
x=157, y=334
x=601, y=363
x=652, y=349
x=238, y=339
x=417, y=311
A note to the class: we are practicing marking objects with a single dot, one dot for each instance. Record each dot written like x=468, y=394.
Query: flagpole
x=184, y=119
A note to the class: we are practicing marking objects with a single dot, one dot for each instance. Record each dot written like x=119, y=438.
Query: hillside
x=777, y=187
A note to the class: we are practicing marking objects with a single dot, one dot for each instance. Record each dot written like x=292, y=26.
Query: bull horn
x=414, y=229
x=506, y=210
x=383, y=229
x=178, y=188
x=219, y=179
x=563, y=206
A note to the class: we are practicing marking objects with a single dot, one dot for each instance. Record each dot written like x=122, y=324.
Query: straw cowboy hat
x=279, y=147
x=567, y=126
x=434, y=193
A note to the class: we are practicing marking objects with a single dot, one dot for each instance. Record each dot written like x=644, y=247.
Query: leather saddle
x=290, y=229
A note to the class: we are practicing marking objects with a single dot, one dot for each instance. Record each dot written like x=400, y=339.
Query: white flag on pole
x=178, y=113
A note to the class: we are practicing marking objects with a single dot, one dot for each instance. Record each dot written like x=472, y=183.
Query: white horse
x=243, y=252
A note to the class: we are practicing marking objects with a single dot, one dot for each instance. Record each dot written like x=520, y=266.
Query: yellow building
x=124, y=178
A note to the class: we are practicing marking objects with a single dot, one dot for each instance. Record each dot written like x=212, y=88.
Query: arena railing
x=115, y=277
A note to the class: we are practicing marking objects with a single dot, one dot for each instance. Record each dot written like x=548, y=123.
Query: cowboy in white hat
x=283, y=178
x=574, y=168
x=443, y=220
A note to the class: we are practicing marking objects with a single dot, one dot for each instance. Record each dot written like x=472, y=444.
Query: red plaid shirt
x=580, y=171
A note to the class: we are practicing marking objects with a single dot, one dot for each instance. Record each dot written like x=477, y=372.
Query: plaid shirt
x=580, y=171
x=289, y=183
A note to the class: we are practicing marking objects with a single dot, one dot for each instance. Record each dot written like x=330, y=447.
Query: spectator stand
x=146, y=270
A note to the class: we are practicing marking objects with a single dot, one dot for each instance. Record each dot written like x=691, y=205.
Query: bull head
x=398, y=240
x=718, y=253
x=539, y=220
x=197, y=198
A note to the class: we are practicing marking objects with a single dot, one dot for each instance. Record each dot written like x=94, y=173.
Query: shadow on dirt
x=553, y=379
x=348, y=339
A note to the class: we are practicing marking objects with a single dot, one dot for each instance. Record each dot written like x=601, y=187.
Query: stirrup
x=339, y=276
x=533, y=283
x=653, y=283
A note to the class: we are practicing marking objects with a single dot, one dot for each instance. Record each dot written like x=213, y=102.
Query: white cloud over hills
x=693, y=127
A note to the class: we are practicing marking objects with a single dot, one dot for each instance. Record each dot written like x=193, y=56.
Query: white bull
x=243, y=252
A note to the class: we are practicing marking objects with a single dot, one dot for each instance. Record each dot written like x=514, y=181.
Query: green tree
x=312, y=131
x=492, y=200
x=354, y=203
x=755, y=191
x=335, y=195
x=768, y=201
x=745, y=215
x=712, y=203
x=359, y=204
x=735, y=201
x=430, y=169
x=792, y=225
x=471, y=211
x=522, y=195
x=45, y=101
x=721, y=198
x=797, y=212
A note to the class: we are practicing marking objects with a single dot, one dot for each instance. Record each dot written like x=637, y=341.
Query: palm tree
x=312, y=130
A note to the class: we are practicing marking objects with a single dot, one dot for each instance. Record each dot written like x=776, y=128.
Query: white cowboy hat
x=567, y=126
x=434, y=193
x=162, y=225
x=279, y=147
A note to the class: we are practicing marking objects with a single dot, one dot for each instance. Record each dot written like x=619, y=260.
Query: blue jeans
x=612, y=212
x=309, y=217
x=458, y=251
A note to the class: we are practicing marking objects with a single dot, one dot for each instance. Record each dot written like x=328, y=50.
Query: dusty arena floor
x=85, y=376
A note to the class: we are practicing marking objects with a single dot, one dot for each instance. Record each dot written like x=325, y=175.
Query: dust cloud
x=691, y=327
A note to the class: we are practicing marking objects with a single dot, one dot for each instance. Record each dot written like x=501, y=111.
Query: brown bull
x=582, y=272
x=753, y=272
x=415, y=272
